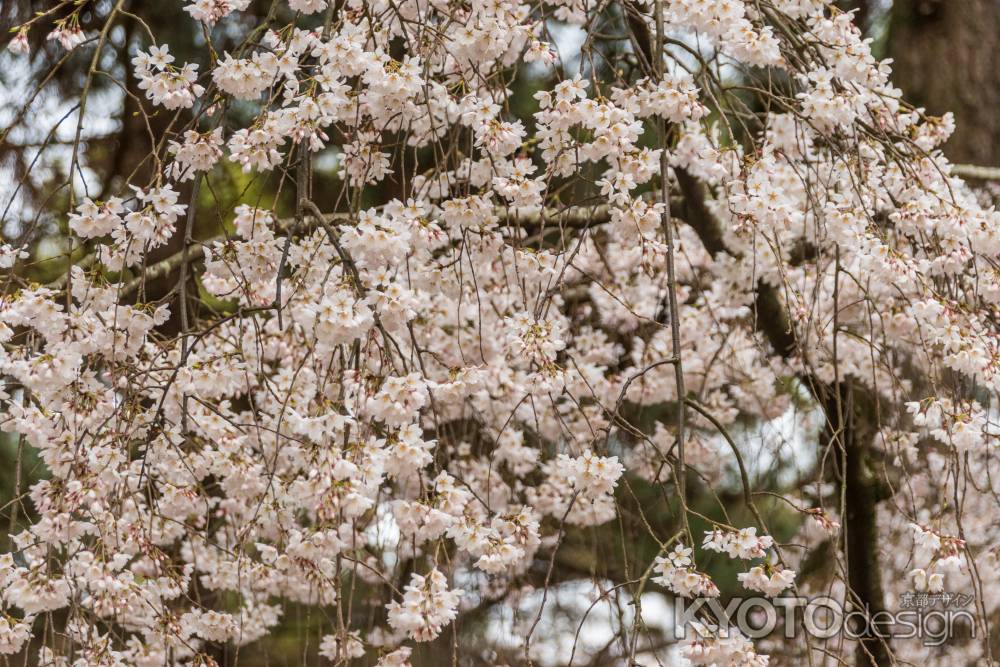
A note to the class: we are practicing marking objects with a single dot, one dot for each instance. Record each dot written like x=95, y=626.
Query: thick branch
x=572, y=217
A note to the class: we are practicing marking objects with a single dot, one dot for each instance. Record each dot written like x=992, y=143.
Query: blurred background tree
x=944, y=59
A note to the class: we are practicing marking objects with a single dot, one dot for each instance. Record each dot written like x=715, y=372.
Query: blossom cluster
x=396, y=403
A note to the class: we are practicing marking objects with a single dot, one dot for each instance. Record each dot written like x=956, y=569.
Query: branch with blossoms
x=439, y=330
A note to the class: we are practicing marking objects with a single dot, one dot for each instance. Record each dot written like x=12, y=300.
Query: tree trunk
x=850, y=426
x=945, y=60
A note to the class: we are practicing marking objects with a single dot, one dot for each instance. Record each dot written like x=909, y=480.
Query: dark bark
x=850, y=429
x=945, y=60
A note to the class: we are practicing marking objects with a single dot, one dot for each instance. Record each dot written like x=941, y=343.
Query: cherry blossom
x=433, y=342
